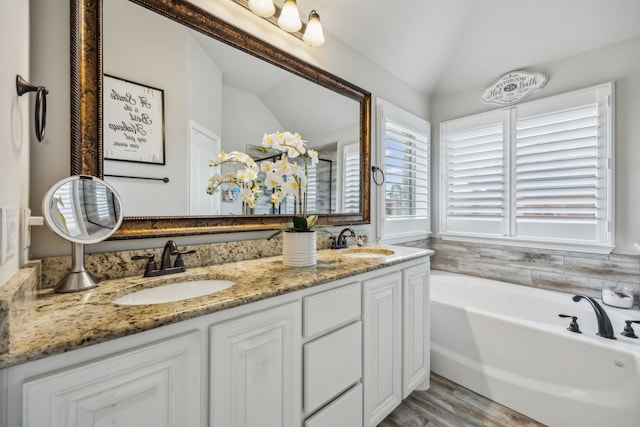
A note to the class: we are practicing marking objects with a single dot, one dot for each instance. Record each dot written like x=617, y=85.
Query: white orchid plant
x=239, y=170
x=284, y=176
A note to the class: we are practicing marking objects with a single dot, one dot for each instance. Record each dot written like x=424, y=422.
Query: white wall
x=15, y=121
x=50, y=23
x=204, y=88
x=620, y=63
x=133, y=55
x=333, y=56
x=245, y=118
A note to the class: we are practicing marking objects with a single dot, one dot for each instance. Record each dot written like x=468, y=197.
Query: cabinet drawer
x=331, y=365
x=330, y=309
x=346, y=411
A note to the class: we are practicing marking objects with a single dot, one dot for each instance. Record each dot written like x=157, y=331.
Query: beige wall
x=620, y=63
x=15, y=120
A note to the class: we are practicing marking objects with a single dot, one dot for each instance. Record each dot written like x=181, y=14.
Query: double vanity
x=337, y=344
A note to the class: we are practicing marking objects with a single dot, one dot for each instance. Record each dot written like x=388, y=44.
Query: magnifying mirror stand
x=78, y=279
x=84, y=210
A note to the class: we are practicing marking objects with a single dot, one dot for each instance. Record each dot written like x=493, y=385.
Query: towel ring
x=22, y=87
x=375, y=169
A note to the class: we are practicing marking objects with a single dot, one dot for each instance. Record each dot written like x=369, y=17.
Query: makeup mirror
x=84, y=210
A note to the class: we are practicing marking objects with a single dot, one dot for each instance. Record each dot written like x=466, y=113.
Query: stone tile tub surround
x=563, y=271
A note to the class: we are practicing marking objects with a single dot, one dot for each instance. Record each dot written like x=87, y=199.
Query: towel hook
x=22, y=87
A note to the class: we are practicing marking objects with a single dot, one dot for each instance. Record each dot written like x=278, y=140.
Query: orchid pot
x=299, y=248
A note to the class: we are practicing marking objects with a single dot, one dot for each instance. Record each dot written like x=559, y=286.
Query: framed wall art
x=133, y=122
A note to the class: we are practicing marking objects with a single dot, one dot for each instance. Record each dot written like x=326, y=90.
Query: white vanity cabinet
x=382, y=346
x=332, y=357
x=395, y=340
x=157, y=385
x=255, y=369
x=416, y=334
x=340, y=354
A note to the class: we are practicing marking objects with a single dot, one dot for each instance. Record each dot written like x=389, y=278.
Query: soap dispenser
x=618, y=295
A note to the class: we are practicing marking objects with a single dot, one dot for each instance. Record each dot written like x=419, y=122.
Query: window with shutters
x=68, y=206
x=288, y=204
x=539, y=173
x=405, y=161
x=351, y=178
x=312, y=189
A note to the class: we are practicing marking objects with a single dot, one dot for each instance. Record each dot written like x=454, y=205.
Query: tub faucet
x=605, y=329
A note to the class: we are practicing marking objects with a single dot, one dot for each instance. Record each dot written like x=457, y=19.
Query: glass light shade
x=262, y=8
x=289, y=19
x=313, y=35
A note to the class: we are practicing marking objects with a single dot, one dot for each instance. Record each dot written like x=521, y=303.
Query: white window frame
x=604, y=240
x=394, y=230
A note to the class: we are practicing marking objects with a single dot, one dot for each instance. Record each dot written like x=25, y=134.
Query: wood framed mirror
x=88, y=34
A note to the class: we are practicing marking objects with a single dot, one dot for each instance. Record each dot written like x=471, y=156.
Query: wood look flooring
x=447, y=404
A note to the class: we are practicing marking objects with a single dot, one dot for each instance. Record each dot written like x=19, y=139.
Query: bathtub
x=506, y=342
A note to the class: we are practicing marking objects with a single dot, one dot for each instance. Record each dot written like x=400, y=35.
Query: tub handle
x=573, y=326
x=628, y=330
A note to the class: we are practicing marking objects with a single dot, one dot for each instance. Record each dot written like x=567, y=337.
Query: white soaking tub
x=506, y=342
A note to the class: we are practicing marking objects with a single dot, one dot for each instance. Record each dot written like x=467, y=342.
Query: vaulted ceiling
x=442, y=46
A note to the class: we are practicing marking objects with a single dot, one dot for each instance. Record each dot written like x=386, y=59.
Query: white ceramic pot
x=299, y=248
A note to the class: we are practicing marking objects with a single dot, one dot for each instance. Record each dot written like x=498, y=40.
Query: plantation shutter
x=474, y=175
x=406, y=165
x=312, y=189
x=351, y=183
x=406, y=160
x=67, y=208
x=536, y=173
x=561, y=168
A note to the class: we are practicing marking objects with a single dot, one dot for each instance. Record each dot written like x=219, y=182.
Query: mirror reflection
x=82, y=209
x=177, y=98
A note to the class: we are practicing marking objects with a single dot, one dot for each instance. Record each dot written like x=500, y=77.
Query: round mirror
x=83, y=209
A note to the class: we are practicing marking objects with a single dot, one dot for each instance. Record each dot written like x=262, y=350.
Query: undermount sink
x=174, y=292
x=367, y=253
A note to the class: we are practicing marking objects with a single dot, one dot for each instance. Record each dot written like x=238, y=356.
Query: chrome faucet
x=341, y=241
x=170, y=249
x=605, y=329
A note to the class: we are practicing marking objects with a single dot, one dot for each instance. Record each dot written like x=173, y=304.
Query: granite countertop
x=43, y=323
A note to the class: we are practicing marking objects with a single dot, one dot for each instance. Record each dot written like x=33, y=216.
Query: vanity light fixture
x=262, y=8
x=287, y=18
x=313, y=35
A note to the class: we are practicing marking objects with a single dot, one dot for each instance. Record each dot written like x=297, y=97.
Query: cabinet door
x=382, y=342
x=154, y=386
x=256, y=369
x=415, y=329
